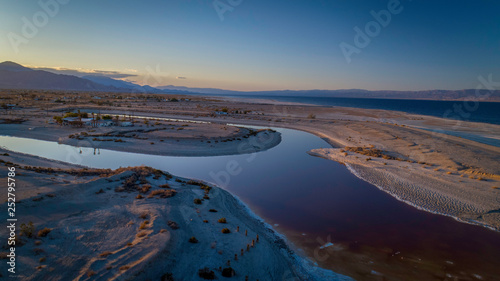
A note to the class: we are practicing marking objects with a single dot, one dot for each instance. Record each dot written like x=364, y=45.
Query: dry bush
x=166, y=193
x=144, y=188
x=193, y=240
x=222, y=220
x=105, y=254
x=370, y=151
x=124, y=267
x=141, y=234
x=144, y=225
x=173, y=224
x=226, y=230
x=44, y=232
x=27, y=229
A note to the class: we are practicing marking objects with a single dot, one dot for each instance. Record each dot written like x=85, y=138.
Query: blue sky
x=260, y=45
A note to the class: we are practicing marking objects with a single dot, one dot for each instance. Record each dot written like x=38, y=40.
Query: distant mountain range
x=16, y=76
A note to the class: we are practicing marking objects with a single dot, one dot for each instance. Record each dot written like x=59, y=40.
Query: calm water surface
x=310, y=199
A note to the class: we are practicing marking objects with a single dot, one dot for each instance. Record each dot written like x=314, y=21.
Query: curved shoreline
x=81, y=198
x=417, y=187
x=245, y=141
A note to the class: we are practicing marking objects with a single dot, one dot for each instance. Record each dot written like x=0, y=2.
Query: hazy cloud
x=82, y=72
x=180, y=77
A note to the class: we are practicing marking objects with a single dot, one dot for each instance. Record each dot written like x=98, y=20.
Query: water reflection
x=312, y=199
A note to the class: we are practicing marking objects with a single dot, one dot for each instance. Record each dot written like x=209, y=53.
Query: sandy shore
x=163, y=138
x=438, y=165
x=105, y=226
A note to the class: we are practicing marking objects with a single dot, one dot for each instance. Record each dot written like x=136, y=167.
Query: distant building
x=221, y=113
x=77, y=121
x=105, y=123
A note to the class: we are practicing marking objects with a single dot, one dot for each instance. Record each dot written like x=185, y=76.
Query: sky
x=254, y=45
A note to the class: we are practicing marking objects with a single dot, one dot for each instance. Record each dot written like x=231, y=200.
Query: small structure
x=221, y=113
x=105, y=123
x=77, y=121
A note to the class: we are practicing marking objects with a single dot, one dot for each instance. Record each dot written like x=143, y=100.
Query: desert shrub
x=206, y=273
x=144, y=215
x=144, y=225
x=173, y=224
x=167, y=193
x=125, y=267
x=222, y=220
x=139, y=196
x=42, y=259
x=197, y=201
x=145, y=188
x=105, y=254
x=213, y=210
x=44, y=232
x=165, y=185
x=226, y=230
x=193, y=182
x=193, y=240
x=311, y=116
x=91, y=273
x=141, y=234
x=206, y=197
x=27, y=229
x=228, y=272
x=206, y=188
